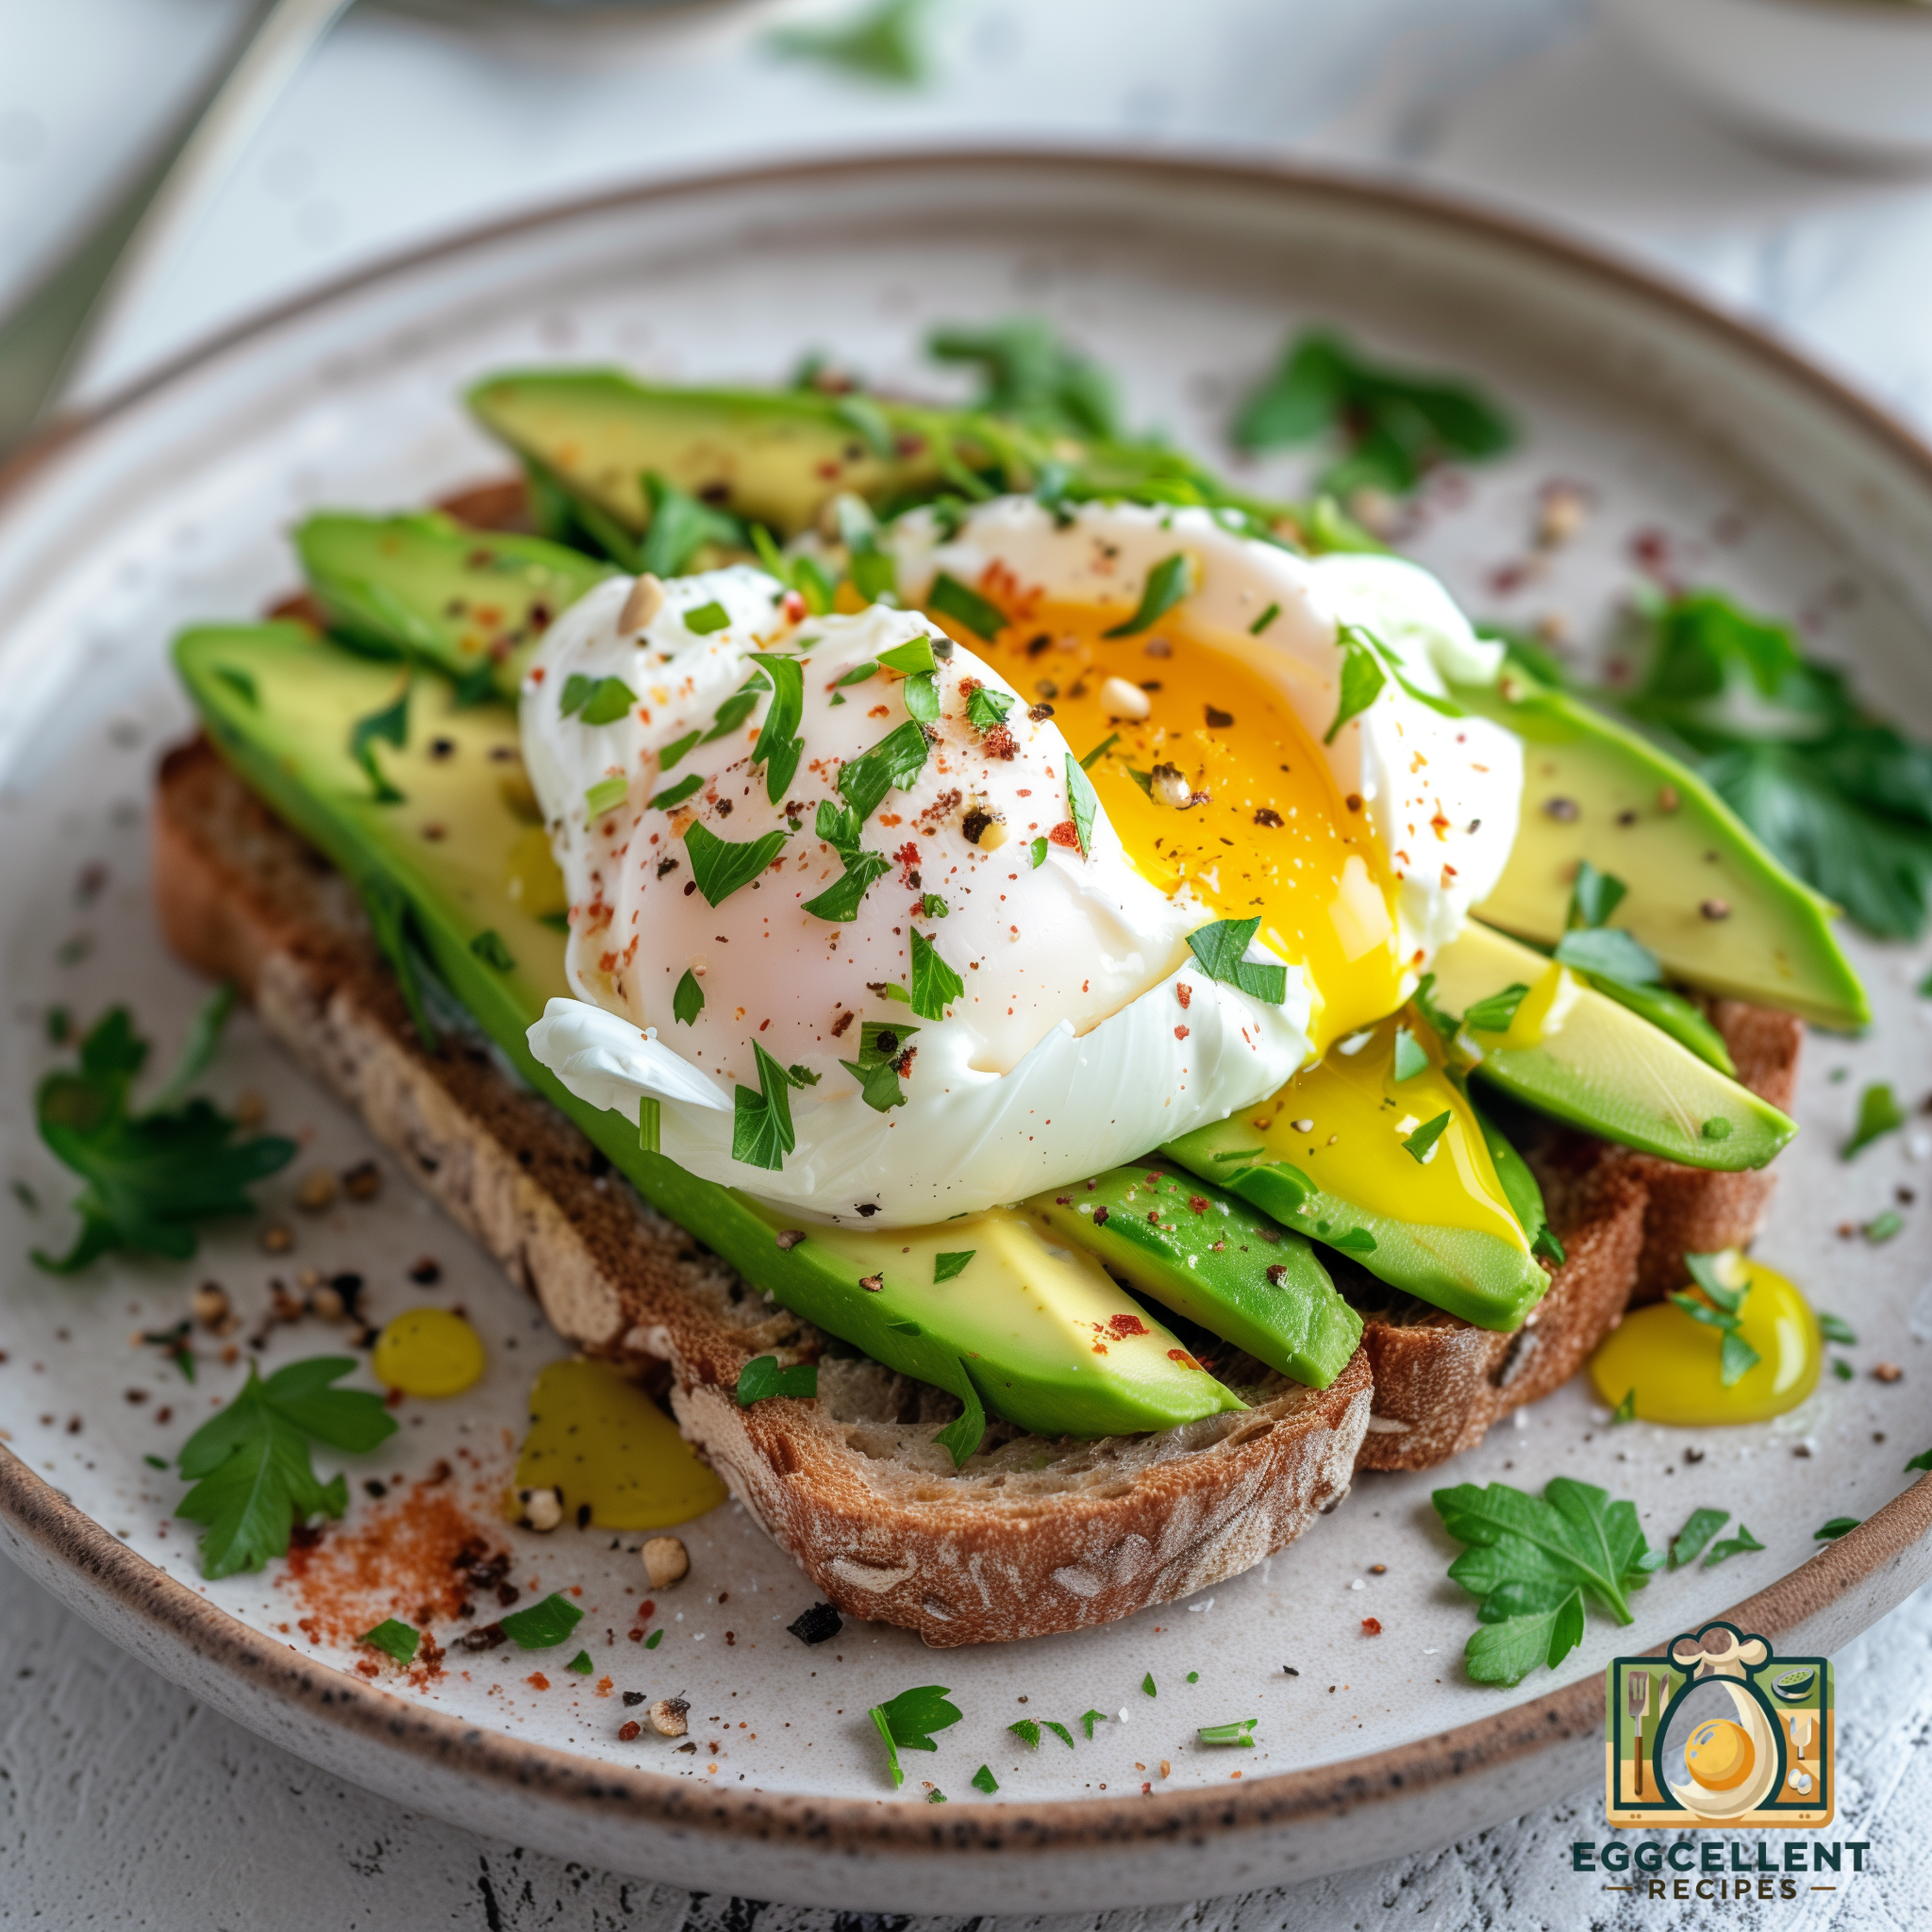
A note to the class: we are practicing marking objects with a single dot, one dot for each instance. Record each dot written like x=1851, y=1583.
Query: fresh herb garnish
x=1720, y=1310
x=149, y=1175
x=1626, y=1411
x=721, y=866
x=1036, y=852
x=1170, y=580
x=986, y=708
x=241, y=682
x=1881, y=1228
x=1240, y=1732
x=1147, y=1689
x=390, y=725
x=914, y=655
x=676, y=749
x=250, y=1461
x=394, y=1639
x=842, y=899
x=1608, y=952
x=950, y=598
x=543, y=1625
x=761, y=1131
x=581, y=1664
x=882, y=43
x=921, y=695
x=1266, y=618
x=674, y=796
x=1923, y=1461
x=882, y=1052
x=488, y=947
x=1533, y=1561
x=1362, y=678
x=761, y=1378
x=1410, y=1057
x=933, y=906
x=779, y=745
x=654, y=1640
x=1421, y=1145
x=950, y=1267
x=1222, y=949
x=1689, y=1543
x=934, y=983
x=1737, y=1545
x=1029, y=375
x=983, y=1780
x=1100, y=750
x=895, y=760
x=1879, y=1114
x=607, y=794
x=680, y=527
x=1837, y=1526
x=1088, y=1719
x=688, y=1000
x=739, y=705
x=1394, y=425
x=1497, y=1013
x=596, y=700
x=1835, y=1329
x=908, y=1722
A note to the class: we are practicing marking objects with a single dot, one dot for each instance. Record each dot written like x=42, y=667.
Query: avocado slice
x=473, y=603
x=281, y=706
x=1212, y=1259
x=1569, y=1052
x=1335, y=1155
x=1592, y=789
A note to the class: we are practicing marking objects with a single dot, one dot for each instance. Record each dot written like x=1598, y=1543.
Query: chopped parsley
x=1533, y=1562
x=912, y=657
x=250, y=1464
x=150, y=1175
x=1030, y=376
x=1410, y=1059
x=543, y=1625
x=761, y=1378
x=654, y=1640
x=779, y=745
x=1221, y=948
x=595, y=700
x=674, y=795
x=1362, y=678
x=1497, y=1012
x=739, y=705
x=1689, y=1543
x=1837, y=1526
x=488, y=947
x=761, y=1131
x=581, y=1664
x=394, y=1639
x=908, y=1722
x=390, y=725
x=1626, y=1411
x=934, y=983
x=1881, y=1228
x=650, y=1123
x=882, y=1052
x=950, y=598
x=1088, y=1719
x=895, y=760
x=1392, y=426
x=1879, y=1114
x=1083, y=805
x=1147, y=1685
x=676, y=749
x=1737, y=1545
x=1170, y=580
x=1240, y=1732
x=983, y=1780
x=1036, y=852
x=933, y=906
x=950, y=1267
x=1266, y=618
x=721, y=866
x=920, y=693
x=1027, y=1730
x=986, y=708
x=1720, y=1310
x=884, y=44
x=1421, y=1145
x=607, y=794
x=680, y=527
x=1835, y=1329
x=687, y=1001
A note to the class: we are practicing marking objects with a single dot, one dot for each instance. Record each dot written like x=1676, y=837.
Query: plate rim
x=73, y=1543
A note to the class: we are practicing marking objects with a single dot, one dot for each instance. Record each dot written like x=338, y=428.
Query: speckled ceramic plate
x=1705, y=449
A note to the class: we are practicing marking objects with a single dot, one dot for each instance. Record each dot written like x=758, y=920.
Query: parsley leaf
x=1626, y=1411
x=934, y=983
x=761, y=1131
x=1036, y=852
x=1421, y=1144
x=761, y=1378
x=739, y=705
x=390, y=725
x=914, y=655
x=1495, y=1013
x=1879, y=1114
x=1837, y=1526
x=933, y=906
x=986, y=708
x=672, y=795
x=1594, y=896
x=896, y=759
x=950, y=1267
x=1240, y=1732
x=1088, y=1719
x=676, y=749
x=581, y=1664
x=920, y=693
x=687, y=1001
x=1027, y=1732
x=842, y=899
x=908, y=1722
x=721, y=866
x=983, y=1780
x=1609, y=953
x=607, y=794
x=884, y=44
x=779, y=745
x=1029, y=375
x=1835, y=1329
x=1170, y=580
x=1689, y=1543
x=394, y=1639
x=1410, y=1057
x=150, y=1175
x=249, y=1462
x=882, y=1053
x=1083, y=805
x=950, y=598
x=490, y=948
x=1923, y=1461
x=544, y=1624
x=1732, y=1547
x=1362, y=678
x=1532, y=1560
x=597, y=700
x=680, y=527
x=1394, y=425
x=1222, y=947
x=1719, y=1309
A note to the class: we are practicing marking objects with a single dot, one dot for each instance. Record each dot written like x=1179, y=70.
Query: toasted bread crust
x=1698, y=1214
x=1030, y=1538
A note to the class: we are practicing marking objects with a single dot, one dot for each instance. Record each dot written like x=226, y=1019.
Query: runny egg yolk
x=1345, y=1123
x=605, y=1447
x=428, y=1352
x=1266, y=831
x=1671, y=1362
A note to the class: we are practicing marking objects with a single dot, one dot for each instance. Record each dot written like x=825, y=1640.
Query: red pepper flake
x=627, y=1731
x=1372, y=1626
x=1064, y=834
x=1182, y=1357
x=1122, y=1326
x=1181, y=1032
x=907, y=859
x=1198, y=1203
x=538, y=1681
x=606, y=1685
x=1185, y=994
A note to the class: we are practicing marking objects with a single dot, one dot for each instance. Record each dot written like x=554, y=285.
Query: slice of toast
x=1028, y=1537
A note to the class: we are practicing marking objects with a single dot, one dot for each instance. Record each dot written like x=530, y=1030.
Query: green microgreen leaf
x=983, y=1780
x=1220, y=949
x=1688, y=1544
x=884, y=43
x=250, y=1464
x=544, y=1624
x=687, y=1001
x=920, y=693
x=912, y=657
x=490, y=948
x=950, y=1267
x=1879, y=1114
x=737, y=707
x=1083, y=805
x=1060, y=1731
x=894, y=761
x=950, y=598
x=761, y=1378
x=1626, y=1411
x=654, y=1640
x=721, y=866
x=1027, y=1732
x=1593, y=896
x=908, y=1722
x=1923, y=1461
x=1410, y=1057
x=1031, y=377
x=1741, y=1545
x=762, y=1130
x=934, y=983
x=1170, y=580
x=1546, y=1247
x=394, y=1639
x=1709, y=1272
x=674, y=796
x=1609, y=953
x=1147, y=1689
x=882, y=1050
x=1881, y=1228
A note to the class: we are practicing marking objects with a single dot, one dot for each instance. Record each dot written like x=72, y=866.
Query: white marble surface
x=124, y=1804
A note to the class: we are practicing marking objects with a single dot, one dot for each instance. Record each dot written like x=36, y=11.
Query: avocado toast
x=1159, y=1483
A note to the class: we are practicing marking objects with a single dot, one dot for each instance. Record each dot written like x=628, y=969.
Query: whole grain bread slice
x=1028, y=1537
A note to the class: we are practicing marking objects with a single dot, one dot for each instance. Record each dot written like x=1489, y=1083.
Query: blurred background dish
x=1847, y=80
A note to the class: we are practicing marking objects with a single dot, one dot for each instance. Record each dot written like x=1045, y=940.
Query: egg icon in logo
x=1720, y=1754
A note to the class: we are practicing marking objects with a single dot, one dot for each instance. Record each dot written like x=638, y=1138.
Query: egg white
x=1070, y=1049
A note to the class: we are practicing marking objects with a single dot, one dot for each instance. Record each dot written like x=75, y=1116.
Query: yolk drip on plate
x=428, y=1352
x=602, y=1443
x=1269, y=834
x=1345, y=1123
x=1671, y=1362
